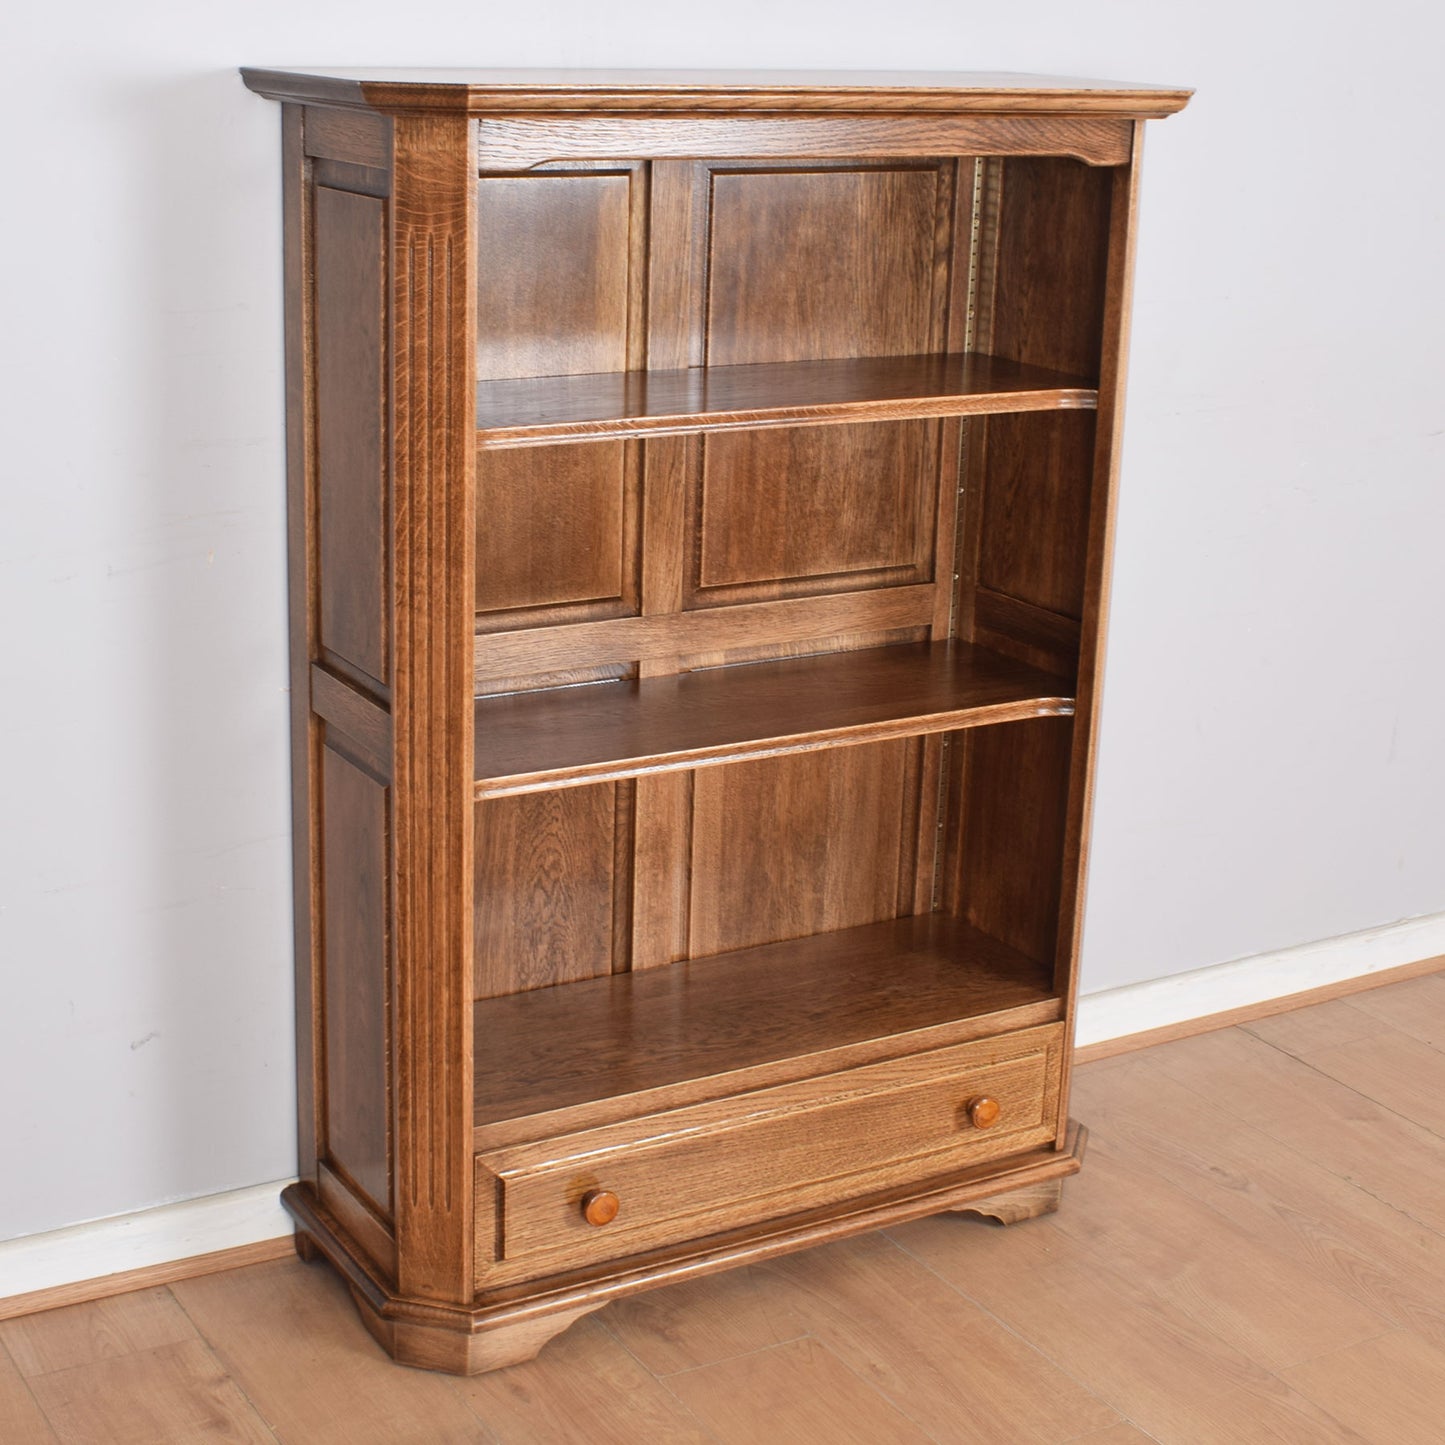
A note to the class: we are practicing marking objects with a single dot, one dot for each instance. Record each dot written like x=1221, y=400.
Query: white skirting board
x=160, y=1235
x=173, y=1232
x=1136, y=1008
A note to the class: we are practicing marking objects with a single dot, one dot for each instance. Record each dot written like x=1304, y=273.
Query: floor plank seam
x=1360, y=1093
x=217, y=1354
x=651, y=1373
x=869, y=1384
x=1004, y=1325
x=1311, y=1158
x=25, y=1383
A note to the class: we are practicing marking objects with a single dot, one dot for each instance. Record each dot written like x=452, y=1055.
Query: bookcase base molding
x=700, y=491
x=511, y=1331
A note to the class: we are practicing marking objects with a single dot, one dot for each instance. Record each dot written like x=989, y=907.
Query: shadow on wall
x=214, y=1110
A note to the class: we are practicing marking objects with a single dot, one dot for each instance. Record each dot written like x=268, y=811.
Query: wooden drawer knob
x=983, y=1112
x=600, y=1206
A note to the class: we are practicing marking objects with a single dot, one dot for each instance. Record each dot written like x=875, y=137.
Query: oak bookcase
x=700, y=501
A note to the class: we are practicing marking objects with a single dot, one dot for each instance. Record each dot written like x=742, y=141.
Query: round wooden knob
x=983, y=1112
x=600, y=1206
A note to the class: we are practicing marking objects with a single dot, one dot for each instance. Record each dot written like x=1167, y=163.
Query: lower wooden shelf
x=579, y=1054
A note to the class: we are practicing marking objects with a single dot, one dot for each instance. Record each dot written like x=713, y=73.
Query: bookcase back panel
x=355, y=977
x=805, y=509
x=350, y=268
x=585, y=881
x=805, y=264
x=551, y=887
x=556, y=273
x=557, y=534
x=787, y=847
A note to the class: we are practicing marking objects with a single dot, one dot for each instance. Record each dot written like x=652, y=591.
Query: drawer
x=696, y=1171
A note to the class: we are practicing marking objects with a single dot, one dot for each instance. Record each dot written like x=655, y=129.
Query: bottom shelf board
x=616, y=1037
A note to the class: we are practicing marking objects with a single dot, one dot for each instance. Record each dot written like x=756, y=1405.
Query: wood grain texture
x=173, y=1395
x=1108, y=444
x=102, y=1287
x=288, y=1334
x=536, y=411
x=364, y=724
x=553, y=274
x=808, y=264
x=682, y=634
x=61, y=1339
x=544, y=890
x=1012, y=833
x=793, y=846
x=578, y=546
x=434, y=310
x=725, y=715
x=914, y=1333
x=607, y=91
x=358, y=1056
x=906, y=259
x=794, y=1391
x=303, y=626
x=849, y=504
x=586, y=1381
x=352, y=137
x=929, y=978
x=350, y=426
x=21, y=1419
x=1397, y=1161
x=359, y=1217
x=1154, y=1364
x=704, y=1169
x=945, y=1363
x=516, y=143
x=1273, y=1308
x=1388, y=1390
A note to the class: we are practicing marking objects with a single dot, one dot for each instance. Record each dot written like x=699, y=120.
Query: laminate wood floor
x=1255, y=1251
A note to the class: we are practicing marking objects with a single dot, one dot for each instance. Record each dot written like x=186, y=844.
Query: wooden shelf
x=894, y=987
x=540, y=410
x=529, y=741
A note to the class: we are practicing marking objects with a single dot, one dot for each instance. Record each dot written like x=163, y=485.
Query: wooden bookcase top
x=489, y=91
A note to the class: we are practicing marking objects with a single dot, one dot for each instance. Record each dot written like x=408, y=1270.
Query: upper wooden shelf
x=529, y=741
x=534, y=411
x=776, y=1011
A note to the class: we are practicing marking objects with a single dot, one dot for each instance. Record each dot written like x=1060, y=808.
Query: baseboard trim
x=150, y=1247
x=1119, y=1020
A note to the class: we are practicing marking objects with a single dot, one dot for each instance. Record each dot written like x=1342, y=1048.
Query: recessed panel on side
x=548, y=889
x=350, y=240
x=354, y=848
x=792, y=846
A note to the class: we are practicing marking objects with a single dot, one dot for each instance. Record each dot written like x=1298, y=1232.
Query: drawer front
x=696, y=1171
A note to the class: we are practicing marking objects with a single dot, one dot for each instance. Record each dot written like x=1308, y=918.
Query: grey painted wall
x=1270, y=769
